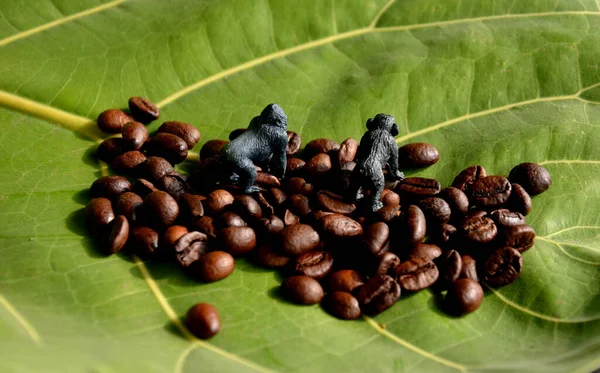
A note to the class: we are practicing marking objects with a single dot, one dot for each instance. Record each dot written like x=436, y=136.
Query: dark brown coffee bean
x=467, y=176
x=417, y=155
x=190, y=205
x=185, y=131
x=341, y=226
x=315, y=264
x=143, y=109
x=134, y=135
x=171, y=236
x=342, y=305
x=519, y=237
x=464, y=296
x=504, y=218
x=270, y=258
x=415, y=223
x=294, y=143
x=416, y=274
x=265, y=206
x=294, y=165
x=375, y=236
x=246, y=206
x=203, y=320
x=345, y=280
x=418, y=187
x=190, y=247
x=297, y=185
x=160, y=209
x=212, y=148
x=457, y=200
x=334, y=203
x=154, y=168
x=168, y=146
x=110, y=187
x=238, y=240
x=469, y=268
x=436, y=210
x=502, y=267
x=318, y=165
x=145, y=242
x=110, y=149
x=426, y=251
x=266, y=180
x=127, y=205
x=535, y=179
x=289, y=218
x=113, y=120
x=520, y=201
x=318, y=146
x=479, y=230
x=118, y=234
x=390, y=198
x=277, y=197
x=300, y=205
x=443, y=234
x=474, y=213
x=128, y=161
x=98, y=213
x=218, y=200
x=490, y=192
x=298, y=239
x=143, y=187
x=206, y=225
x=236, y=133
x=215, y=266
x=231, y=219
x=450, y=266
x=302, y=290
x=272, y=225
x=348, y=149
x=378, y=294
x=175, y=184
x=386, y=264
x=388, y=213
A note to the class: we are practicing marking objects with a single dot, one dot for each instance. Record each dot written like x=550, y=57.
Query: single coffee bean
x=294, y=143
x=127, y=205
x=318, y=165
x=265, y=206
x=298, y=239
x=294, y=165
x=342, y=305
x=318, y=146
x=520, y=237
x=348, y=150
x=464, y=296
x=190, y=247
x=520, y=201
x=98, y=213
x=267, y=181
x=246, y=206
x=238, y=240
x=289, y=218
x=416, y=225
x=457, y=200
x=535, y=179
x=277, y=197
x=436, y=210
x=172, y=235
x=418, y=187
x=128, y=161
x=315, y=264
x=341, y=226
x=174, y=183
x=469, y=268
x=502, y=267
x=302, y=290
x=160, y=209
x=143, y=109
x=212, y=148
x=334, y=203
x=297, y=185
x=272, y=225
x=154, y=168
x=417, y=155
x=490, y=192
x=300, y=205
x=185, y=131
x=110, y=187
x=378, y=294
x=143, y=187
x=416, y=274
x=206, y=225
x=426, y=251
x=236, y=133
x=345, y=280
x=375, y=236
x=168, y=146
x=215, y=266
x=467, y=176
x=443, y=234
x=390, y=198
x=479, y=230
x=388, y=213
x=386, y=264
x=231, y=219
x=110, y=149
x=218, y=200
x=145, y=242
x=113, y=120
x=119, y=233
x=450, y=266
x=504, y=218
x=134, y=135
x=190, y=205
x=203, y=320
x=270, y=258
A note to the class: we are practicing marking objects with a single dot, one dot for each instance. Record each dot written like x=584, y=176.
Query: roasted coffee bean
x=318, y=146
x=190, y=205
x=520, y=201
x=378, y=294
x=172, y=235
x=520, y=237
x=190, y=247
x=127, y=205
x=443, y=234
x=426, y=251
x=145, y=242
x=110, y=187
x=134, y=135
x=289, y=218
x=118, y=234
x=489, y=192
x=436, y=210
x=168, y=146
x=212, y=148
x=348, y=149
x=390, y=198
x=294, y=165
x=266, y=180
x=418, y=187
x=386, y=264
x=388, y=213
x=218, y=200
x=236, y=133
x=128, y=161
x=231, y=219
x=185, y=131
x=206, y=225
x=298, y=239
x=246, y=206
x=160, y=209
x=457, y=200
x=98, y=213
x=417, y=155
x=297, y=185
x=110, y=149
x=480, y=230
x=300, y=205
x=143, y=109
x=143, y=187
x=334, y=203
x=415, y=223
x=175, y=184
x=215, y=266
x=341, y=226
x=318, y=165
x=345, y=280
x=505, y=218
x=154, y=168
x=467, y=176
x=294, y=143
x=203, y=320
x=375, y=236
x=535, y=179
x=277, y=196
x=273, y=225
x=315, y=264
x=238, y=240
x=416, y=274
x=342, y=305
x=502, y=267
x=265, y=206
x=450, y=266
x=302, y=290
x=270, y=258
x=464, y=296
x=469, y=268
x=474, y=213
x=113, y=120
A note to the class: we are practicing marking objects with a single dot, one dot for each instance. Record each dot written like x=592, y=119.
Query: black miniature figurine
x=264, y=141
x=377, y=148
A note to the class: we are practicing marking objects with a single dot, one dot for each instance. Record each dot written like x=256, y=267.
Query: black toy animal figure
x=264, y=141
x=377, y=148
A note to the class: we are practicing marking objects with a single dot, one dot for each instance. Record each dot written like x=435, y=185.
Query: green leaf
x=489, y=82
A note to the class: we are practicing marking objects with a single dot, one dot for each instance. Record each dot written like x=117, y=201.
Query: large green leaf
x=493, y=82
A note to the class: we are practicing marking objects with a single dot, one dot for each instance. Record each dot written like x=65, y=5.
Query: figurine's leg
x=377, y=184
x=247, y=175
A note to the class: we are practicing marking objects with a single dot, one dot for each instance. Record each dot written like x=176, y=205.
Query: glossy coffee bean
x=456, y=199
x=230, y=219
x=143, y=109
x=348, y=150
x=185, y=131
x=270, y=258
x=160, y=209
x=206, y=225
x=143, y=187
x=110, y=149
x=417, y=155
x=416, y=225
x=388, y=213
x=426, y=251
x=318, y=146
x=190, y=205
x=238, y=240
x=98, y=213
x=244, y=205
x=386, y=264
x=174, y=183
x=298, y=239
x=519, y=237
x=135, y=134
x=390, y=198
x=128, y=162
x=416, y=274
x=277, y=197
x=334, y=203
x=418, y=187
x=294, y=143
x=318, y=165
x=168, y=146
x=154, y=168
x=266, y=180
x=342, y=305
x=110, y=187
x=467, y=176
x=145, y=242
x=302, y=290
x=212, y=148
x=118, y=234
x=190, y=247
x=375, y=236
x=436, y=210
x=450, y=266
x=504, y=218
x=480, y=230
x=294, y=166
x=297, y=185
x=315, y=264
x=443, y=234
x=215, y=266
x=172, y=235
x=378, y=294
x=520, y=201
x=464, y=296
x=341, y=226
x=265, y=206
x=345, y=280
x=289, y=218
x=300, y=205
x=469, y=268
x=203, y=321
x=490, y=192
x=535, y=179
x=502, y=267
x=218, y=200
x=272, y=225
x=113, y=120
x=128, y=205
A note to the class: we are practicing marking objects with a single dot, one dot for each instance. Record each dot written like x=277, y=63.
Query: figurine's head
x=273, y=114
x=384, y=122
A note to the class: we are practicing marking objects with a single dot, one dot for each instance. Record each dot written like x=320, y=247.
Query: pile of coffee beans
x=330, y=250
